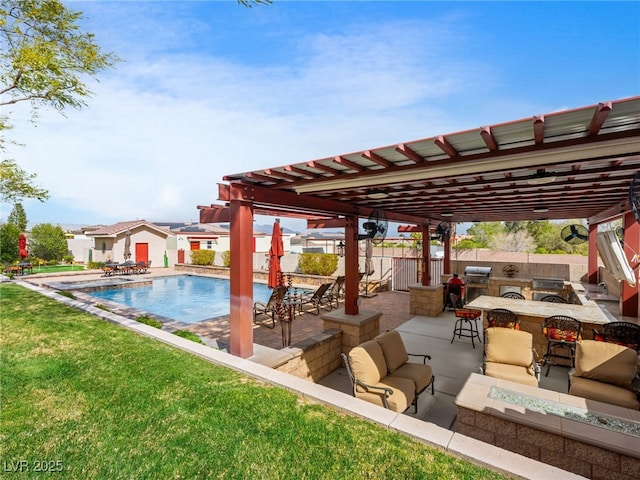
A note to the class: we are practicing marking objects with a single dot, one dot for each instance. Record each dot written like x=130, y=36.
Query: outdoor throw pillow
x=395, y=353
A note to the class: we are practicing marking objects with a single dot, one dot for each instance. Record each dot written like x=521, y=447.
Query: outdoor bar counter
x=532, y=314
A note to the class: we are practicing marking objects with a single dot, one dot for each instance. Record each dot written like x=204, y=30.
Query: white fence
x=406, y=271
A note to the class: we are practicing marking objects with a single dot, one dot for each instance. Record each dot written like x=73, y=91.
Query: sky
x=211, y=88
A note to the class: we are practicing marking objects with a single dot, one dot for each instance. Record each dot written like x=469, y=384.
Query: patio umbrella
x=368, y=250
x=275, y=252
x=22, y=244
x=127, y=246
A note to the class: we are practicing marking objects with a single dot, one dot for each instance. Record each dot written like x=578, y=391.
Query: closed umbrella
x=368, y=265
x=275, y=252
x=22, y=244
x=127, y=246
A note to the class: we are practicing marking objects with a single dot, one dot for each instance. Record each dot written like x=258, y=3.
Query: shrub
x=68, y=259
x=189, y=336
x=226, y=258
x=318, y=263
x=95, y=265
x=203, y=257
x=67, y=294
x=147, y=320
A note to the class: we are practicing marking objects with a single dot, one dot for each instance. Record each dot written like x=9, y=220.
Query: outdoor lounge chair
x=318, y=298
x=335, y=293
x=380, y=373
x=605, y=372
x=270, y=308
x=508, y=355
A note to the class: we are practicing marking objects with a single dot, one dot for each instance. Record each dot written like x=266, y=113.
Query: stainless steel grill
x=476, y=281
x=476, y=275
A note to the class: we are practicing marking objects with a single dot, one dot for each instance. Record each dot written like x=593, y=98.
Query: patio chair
x=380, y=373
x=622, y=333
x=514, y=295
x=335, y=293
x=562, y=333
x=108, y=269
x=508, y=354
x=553, y=299
x=270, y=307
x=501, y=317
x=318, y=298
x=605, y=372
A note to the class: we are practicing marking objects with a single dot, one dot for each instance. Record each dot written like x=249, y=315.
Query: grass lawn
x=56, y=268
x=98, y=401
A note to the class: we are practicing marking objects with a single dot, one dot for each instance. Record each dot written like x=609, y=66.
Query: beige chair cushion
x=420, y=374
x=606, y=362
x=603, y=392
x=395, y=353
x=402, y=397
x=367, y=363
x=513, y=373
x=506, y=345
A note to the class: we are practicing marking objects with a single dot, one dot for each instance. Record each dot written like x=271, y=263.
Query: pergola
x=571, y=164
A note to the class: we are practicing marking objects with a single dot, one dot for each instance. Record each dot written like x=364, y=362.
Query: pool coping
x=454, y=443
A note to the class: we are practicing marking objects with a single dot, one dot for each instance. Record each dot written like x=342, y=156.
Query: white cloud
x=162, y=130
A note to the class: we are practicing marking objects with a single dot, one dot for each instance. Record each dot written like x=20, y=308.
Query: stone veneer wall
x=364, y=327
x=426, y=300
x=574, y=456
x=316, y=357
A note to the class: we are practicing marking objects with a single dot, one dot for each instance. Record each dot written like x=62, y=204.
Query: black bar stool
x=467, y=325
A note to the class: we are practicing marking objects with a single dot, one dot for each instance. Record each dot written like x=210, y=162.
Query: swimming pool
x=186, y=298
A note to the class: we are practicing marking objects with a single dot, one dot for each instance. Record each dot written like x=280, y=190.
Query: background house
x=149, y=242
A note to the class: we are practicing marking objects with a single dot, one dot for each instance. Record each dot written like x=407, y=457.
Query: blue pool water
x=186, y=298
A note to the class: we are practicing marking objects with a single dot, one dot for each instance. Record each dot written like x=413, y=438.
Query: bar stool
x=467, y=325
x=561, y=332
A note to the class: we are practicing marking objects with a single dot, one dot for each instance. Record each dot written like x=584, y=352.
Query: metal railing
x=406, y=271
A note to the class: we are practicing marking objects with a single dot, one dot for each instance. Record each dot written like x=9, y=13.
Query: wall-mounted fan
x=443, y=231
x=634, y=196
x=574, y=234
x=375, y=227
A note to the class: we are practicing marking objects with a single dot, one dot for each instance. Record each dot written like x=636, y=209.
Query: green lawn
x=56, y=268
x=101, y=402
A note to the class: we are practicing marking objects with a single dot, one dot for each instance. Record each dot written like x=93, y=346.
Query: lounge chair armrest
x=424, y=357
x=384, y=391
x=536, y=370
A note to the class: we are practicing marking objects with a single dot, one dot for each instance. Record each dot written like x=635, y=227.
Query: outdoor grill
x=476, y=281
x=476, y=275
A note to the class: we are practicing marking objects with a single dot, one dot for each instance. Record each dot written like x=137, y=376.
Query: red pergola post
x=446, y=266
x=351, y=273
x=426, y=255
x=241, y=278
